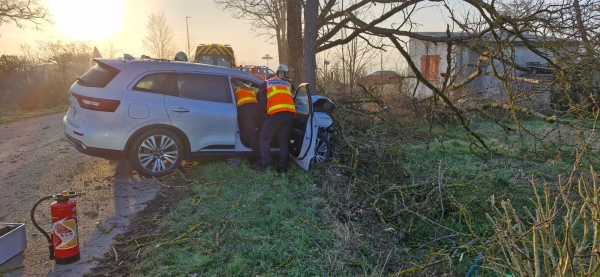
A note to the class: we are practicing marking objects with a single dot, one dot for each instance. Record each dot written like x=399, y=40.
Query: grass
x=402, y=203
x=243, y=223
x=10, y=117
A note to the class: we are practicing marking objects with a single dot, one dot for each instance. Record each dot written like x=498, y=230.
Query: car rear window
x=223, y=61
x=98, y=76
x=205, y=59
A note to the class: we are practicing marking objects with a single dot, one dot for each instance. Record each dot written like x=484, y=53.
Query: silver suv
x=158, y=113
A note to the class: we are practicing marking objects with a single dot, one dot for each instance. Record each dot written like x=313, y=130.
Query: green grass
x=245, y=224
x=237, y=222
x=10, y=117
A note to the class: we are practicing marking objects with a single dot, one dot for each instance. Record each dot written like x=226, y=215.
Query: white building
x=432, y=61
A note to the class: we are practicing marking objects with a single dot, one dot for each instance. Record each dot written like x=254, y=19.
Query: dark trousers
x=280, y=124
x=250, y=119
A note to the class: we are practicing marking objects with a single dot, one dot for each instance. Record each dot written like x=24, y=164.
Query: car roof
x=158, y=65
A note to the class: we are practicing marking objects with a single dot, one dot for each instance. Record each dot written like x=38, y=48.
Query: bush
x=41, y=78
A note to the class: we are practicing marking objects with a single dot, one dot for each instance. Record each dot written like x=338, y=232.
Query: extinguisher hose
x=50, y=247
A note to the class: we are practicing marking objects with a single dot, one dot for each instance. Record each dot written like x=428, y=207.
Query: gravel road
x=36, y=161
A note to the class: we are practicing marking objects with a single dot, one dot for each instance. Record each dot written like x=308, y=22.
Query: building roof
x=464, y=34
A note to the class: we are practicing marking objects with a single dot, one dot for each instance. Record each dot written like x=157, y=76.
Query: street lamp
x=188, y=36
x=267, y=57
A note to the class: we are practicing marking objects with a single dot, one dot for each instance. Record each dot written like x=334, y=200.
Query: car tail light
x=97, y=104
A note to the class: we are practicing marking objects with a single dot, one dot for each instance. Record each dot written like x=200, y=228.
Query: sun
x=87, y=19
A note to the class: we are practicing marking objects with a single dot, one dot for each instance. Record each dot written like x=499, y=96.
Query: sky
x=122, y=23
x=126, y=21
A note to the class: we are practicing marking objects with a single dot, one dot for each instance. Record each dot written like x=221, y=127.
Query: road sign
x=267, y=57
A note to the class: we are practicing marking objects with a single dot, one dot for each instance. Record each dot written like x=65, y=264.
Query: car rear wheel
x=156, y=152
x=322, y=149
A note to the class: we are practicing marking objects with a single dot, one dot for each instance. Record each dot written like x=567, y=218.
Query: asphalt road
x=36, y=161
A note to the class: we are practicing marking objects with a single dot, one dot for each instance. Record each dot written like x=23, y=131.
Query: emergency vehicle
x=215, y=54
x=261, y=72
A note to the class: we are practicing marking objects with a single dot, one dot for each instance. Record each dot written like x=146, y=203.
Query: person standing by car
x=249, y=115
x=275, y=95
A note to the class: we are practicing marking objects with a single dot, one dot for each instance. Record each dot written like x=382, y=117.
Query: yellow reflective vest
x=245, y=96
x=279, y=96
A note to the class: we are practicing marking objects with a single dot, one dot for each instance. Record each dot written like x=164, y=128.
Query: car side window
x=301, y=100
x=161, y=83
x=204, y=87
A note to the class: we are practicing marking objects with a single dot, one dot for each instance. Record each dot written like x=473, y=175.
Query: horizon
x=122, y=24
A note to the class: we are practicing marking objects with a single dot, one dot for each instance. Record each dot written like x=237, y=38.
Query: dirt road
x=35, y=161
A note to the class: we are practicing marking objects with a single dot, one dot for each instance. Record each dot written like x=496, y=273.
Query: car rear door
x=305, y=128
x=205, y=112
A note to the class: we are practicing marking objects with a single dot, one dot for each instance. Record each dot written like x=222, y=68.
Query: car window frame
x=231, y=97
x=143, y=75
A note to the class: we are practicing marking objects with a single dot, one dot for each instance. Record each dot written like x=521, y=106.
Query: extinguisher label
x=65, y=232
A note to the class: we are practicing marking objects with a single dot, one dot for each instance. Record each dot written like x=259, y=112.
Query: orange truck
x=215, y=54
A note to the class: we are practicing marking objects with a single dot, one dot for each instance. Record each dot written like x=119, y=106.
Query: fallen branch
x=116, y=255
x=549, y=119
x=146, y=236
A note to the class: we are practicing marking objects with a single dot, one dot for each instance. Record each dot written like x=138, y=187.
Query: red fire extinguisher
x=64, y=239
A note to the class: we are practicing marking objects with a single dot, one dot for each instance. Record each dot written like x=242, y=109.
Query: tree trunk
x=280, y=14
x=294, y=30
x=309, y=72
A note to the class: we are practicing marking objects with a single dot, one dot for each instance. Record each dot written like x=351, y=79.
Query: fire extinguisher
x=64, y=240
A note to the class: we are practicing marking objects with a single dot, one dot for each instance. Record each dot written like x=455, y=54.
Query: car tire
x=322, y=149
x=156, y=152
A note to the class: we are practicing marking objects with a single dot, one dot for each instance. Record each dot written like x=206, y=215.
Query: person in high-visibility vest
x=249, y=114
x=275, y=97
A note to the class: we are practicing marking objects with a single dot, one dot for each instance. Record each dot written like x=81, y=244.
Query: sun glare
x=87, y=19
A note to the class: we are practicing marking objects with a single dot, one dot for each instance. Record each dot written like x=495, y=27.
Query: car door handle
x=180, y=110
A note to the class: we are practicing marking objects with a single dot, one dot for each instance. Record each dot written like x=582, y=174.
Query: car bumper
x=95, y=141
x=109, y=154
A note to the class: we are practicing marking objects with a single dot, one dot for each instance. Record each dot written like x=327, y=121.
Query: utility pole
x=188, y=36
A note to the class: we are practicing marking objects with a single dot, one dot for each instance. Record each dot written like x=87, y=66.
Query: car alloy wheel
x=156, y=152
x=322, y=149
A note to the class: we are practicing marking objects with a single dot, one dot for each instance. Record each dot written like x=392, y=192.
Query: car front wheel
x=156, y=152
x=322, y=149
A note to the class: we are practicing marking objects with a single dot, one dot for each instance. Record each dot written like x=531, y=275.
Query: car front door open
x=304, y=130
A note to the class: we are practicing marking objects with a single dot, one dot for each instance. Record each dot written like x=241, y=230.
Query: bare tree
x=110, y=51
x=268, y=18
x=8, y=64
x=310, y=43
x=21, y=11
x=71, y=59
x=159, y=40
x=294, y=29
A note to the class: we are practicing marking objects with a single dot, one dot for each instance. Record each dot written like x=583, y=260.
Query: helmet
x=282, y=67
x=181, y=56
